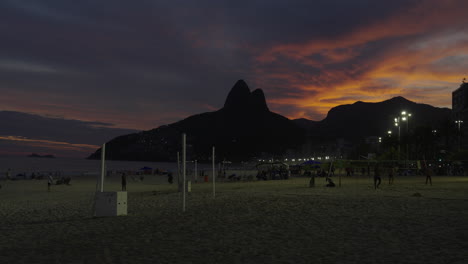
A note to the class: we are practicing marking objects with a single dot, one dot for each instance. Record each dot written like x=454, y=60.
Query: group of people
x=427, y=171
x=280, y=173
x=62, y=180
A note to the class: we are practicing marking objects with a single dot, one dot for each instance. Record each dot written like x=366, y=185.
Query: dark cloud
x=32, y=126
x=141, y=64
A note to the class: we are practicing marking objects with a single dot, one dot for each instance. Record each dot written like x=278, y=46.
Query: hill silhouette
x=244, y=128
x=360, y=119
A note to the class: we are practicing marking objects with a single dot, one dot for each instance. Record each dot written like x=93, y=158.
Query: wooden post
x=103, y=166
x=178, y=171
x=196, y=172
x=339, y=175
x=214, y=172
x=183, y=170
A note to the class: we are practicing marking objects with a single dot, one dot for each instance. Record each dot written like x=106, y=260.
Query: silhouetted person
x=428, y=173
x=330, y=183
x=262, y=176
x=377, y=179
x=50, y=181
x=124, y=182
x=391, y=174
x=312, y=181
x=348, y=171
x=169, y=178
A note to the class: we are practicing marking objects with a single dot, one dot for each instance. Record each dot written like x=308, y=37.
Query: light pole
x=434, y=135
x=397, y=123
x=459, y=122
x=405, y=116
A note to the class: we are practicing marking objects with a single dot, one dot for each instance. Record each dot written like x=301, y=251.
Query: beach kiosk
x=109, y=203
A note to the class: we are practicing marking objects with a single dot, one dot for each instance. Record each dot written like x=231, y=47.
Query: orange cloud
x=57, y=145
x=343, y=70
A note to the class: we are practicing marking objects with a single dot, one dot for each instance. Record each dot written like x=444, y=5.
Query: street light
x=389, y=133
x=405, y=116
x=397, y=124
x=459, y=122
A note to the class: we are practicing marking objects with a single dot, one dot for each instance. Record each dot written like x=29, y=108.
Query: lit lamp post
x=405, y=116
x=459, y=122
x=397, y=124
x=389, y=133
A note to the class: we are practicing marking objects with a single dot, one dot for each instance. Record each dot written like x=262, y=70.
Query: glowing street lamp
x=405, y=116
x=459, y=122
x=397, y=124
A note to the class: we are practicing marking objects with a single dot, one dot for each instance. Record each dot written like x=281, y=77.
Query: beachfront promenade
x=281, y=221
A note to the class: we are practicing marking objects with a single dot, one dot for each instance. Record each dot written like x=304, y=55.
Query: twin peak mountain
x=245, y=128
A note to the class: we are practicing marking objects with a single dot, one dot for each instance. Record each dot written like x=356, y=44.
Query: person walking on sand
x=391, y=174
x=169, y=177
x=124, y=182
x=428, y=173
x=50, y=181
x=377, y=179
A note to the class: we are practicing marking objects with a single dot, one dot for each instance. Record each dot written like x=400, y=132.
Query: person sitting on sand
x=330, y=183
x=67, y=180
x=262, y=176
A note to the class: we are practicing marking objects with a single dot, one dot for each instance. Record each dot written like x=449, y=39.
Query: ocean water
x=77, y=167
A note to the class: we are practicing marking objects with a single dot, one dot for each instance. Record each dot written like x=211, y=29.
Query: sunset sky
x=112, y=67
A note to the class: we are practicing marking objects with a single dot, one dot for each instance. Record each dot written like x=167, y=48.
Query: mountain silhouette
x=244, y=128
x=360, y=119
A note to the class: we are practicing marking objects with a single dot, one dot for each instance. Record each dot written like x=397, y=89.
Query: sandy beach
x=248, y=222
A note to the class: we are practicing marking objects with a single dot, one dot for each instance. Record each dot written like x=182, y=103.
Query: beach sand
x=248, y=222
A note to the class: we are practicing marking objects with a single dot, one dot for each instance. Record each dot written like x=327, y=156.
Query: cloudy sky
x=110, y=67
